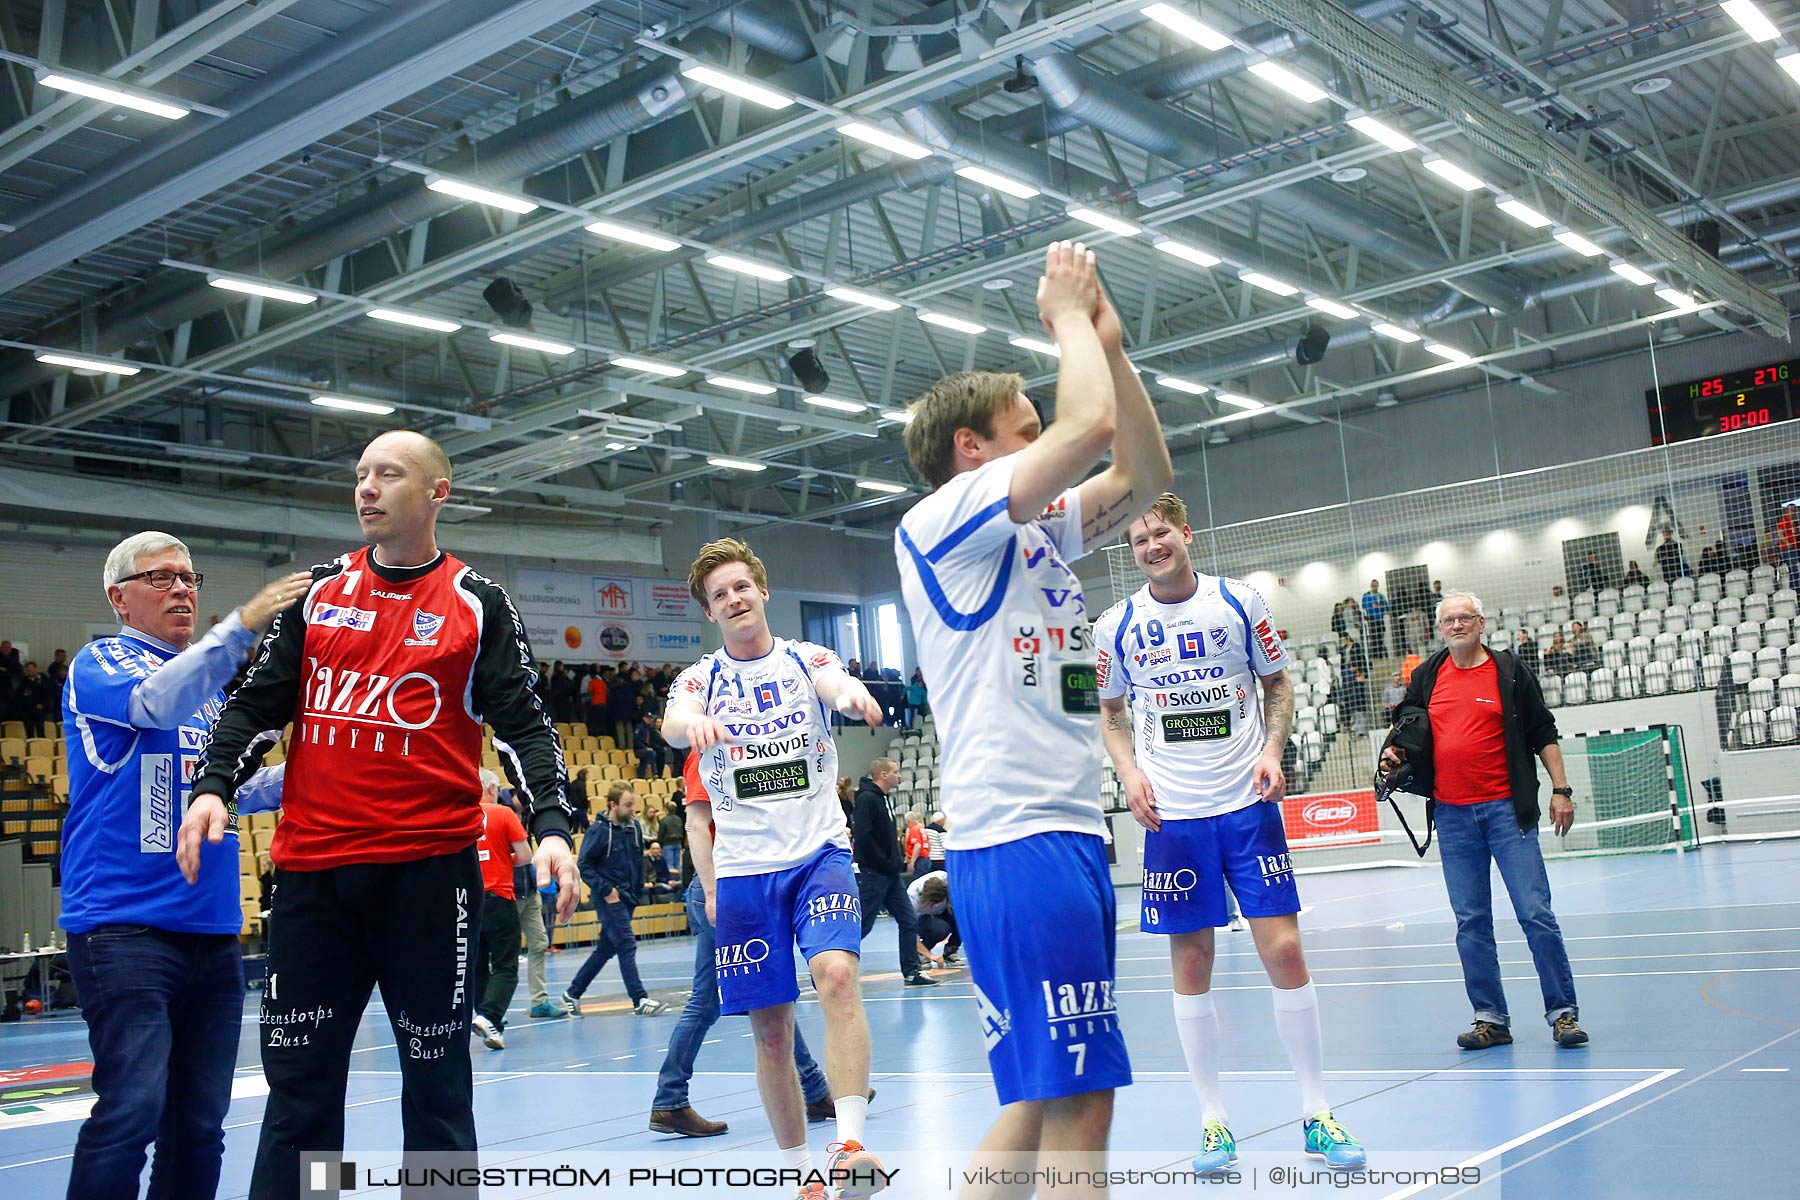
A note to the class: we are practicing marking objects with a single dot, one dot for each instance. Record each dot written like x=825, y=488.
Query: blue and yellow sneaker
x=1328, y=1140
x=1219, y=1150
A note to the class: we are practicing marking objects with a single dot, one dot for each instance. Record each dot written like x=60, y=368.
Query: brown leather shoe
x=684, y=1121
x=826, y=1109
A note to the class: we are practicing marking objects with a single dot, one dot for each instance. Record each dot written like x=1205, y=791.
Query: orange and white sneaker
x=855, y=1172
x=812, y=1191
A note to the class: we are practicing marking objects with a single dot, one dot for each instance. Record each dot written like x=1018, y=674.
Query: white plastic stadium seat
x=1649, y=622
x=1607, y=602
x=1789, y=688
x=1612, y=654
x=1756, y=607
x=1584, y=606
x=1534, y=615
x=1328, y=719
x=1762, y=579
x=1737, y=583
x=1702, y=614
x=1782, y=722
x=1749, y=636
x=1682, y=590
x=1551, y=685
x=1559, y=611
x=1778, y=632
x=1768, y=663
x=1675, y=617
x=1785, y=603
x=1762, y=694
x=1693, y=644
x=1639, y=651
x=1730, y=610
x=1575, y=687
x=1624, y=626
x=1631, y=600
x=1667, y=647
x=1314, y=745
x=1600, y=685
x=1712, y=669
x=1743, y=666
x=1709, y=587
x=1656, y=678
x=1751, y=728
x=1719, y=639
x=1627, y=684
x=1793, y=659
x=1683, y=675
x=1657, y=595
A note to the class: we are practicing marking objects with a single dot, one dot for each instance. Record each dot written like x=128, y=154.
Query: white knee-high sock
x=1197, y=1023
x=852, y=1116
x=1297, y=1020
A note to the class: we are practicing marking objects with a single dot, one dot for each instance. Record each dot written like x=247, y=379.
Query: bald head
x=402, y=481
x=424, y=453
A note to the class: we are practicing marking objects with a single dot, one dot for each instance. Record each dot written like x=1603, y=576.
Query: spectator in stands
x=10, y=670
x=58, y=671
x=934, y=838
x=671, y=830
x=265, y=880
x=916, y=846
x=1353, y=676
x=1390, y=696
x=1526, y=648
x=596, y=704
x=1416, y=628
x=917, y=698
x=1487, y=722
x=1714, y=560
x=612, y=865
x=930, y=895
x=1557, y=659
x=648, y=746
x=155, y=961
x=1408, y=665
x=34, y=700
x=1787, y=541
x=846, y=796
x=575, y=790
x=1635, y=577
x=1582, y=650
x=1669, y=559
x=1375, y=611
x=1339, y=619
x=622, y=708
x=1592, y=576
x=502, y=848
x=876, y=849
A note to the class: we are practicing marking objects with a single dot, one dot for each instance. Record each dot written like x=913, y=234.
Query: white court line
x=1541, y=1130
x=1439, y=945
x=1763, y=1070
x=1427, y=1074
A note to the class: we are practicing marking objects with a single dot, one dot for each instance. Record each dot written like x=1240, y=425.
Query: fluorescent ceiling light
x=756, y=93
x=1579, y=244
x=266, y=290
x=1193, y=254
x=874, y=135
x=998, y=182
x=1746, y=14
x=833, y=403
x=1387, y=135
x=1627, y=271
x=878, y=485
x=1303, y=90
x=110, y=366
x=648, y=366
x=348, y=404
x=866, y=299
x=1036, y=346
x=481, y=195
x=738, y=464
x=736, y=384
x=395, y=317
x=1790, y=62
x=1452, y=174
x=1170, y=17
x=1523, y=213
x=1388, y=330
x=1269, y=283
x=1243, y=402
x=902, y=416
x=1332, y=308
x=1449, y=353
x=745, y=266
x=637, y=237
x=113, y=95
x=949, y=322
x=1100, y=220
x=1182, y=385
x=615, y=445
x=1677, y=298
x=531, y=343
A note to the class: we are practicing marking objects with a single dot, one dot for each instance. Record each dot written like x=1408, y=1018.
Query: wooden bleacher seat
x=12, y=749
x=41, y=747
x=40, y=768
x=12, y=729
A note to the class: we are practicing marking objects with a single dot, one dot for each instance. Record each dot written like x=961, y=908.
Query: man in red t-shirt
x=503, y=846
x=1488, y=720
x=597, y=723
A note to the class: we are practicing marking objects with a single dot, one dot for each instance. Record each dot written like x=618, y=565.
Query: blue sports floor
x=1686, y=968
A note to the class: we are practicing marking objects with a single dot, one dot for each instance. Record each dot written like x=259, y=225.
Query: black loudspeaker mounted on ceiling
x=809, y=371
x=1311, y=346
x=1705, y=234
x=508, y=302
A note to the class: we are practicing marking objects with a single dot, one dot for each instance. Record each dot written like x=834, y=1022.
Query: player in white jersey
x=1003, y=636
x=1201, y=769
x=779, y=870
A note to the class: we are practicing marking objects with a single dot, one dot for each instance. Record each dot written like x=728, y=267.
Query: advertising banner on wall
x=1331, y=814
x=600, y=618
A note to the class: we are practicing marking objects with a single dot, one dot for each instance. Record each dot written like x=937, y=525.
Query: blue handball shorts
x=1186, y=864
x=762, y=916
x=1036, y=917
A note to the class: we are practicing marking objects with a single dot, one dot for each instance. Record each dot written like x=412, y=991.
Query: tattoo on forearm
x=1118, y=720
x=1278, y=710
x=1109, y=517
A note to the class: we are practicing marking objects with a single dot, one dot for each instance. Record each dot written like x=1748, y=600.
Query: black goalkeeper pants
x=410, y=929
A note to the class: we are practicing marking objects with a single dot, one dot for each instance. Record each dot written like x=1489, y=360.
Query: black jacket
x=1527, y=721
x=612, y=856
x=873, y=840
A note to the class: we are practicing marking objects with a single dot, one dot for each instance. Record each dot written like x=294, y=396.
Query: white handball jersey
x=1006, y=645
x=1191, y=671
x=773, y=785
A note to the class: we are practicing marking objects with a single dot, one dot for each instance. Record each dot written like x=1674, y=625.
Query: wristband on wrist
x=1563, y=791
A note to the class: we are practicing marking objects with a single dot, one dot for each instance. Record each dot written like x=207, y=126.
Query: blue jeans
x=702, y=1013
x=672, y=859
x=163, y=1015
x=615, y=938
x=1469, y=835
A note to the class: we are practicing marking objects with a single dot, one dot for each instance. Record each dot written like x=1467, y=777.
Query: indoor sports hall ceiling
x=1272, y=181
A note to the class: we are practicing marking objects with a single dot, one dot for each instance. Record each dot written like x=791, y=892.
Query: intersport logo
x=1329, y=812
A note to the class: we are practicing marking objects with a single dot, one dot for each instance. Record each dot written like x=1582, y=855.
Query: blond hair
x=1170, y=508
x=965, y=400
x=714, y=555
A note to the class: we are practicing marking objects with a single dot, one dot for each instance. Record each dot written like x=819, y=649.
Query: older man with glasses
x=1487, y=721
x=156, y=962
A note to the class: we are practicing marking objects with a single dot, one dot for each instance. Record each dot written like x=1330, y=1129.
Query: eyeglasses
x=162, y=581
x=1453, y=622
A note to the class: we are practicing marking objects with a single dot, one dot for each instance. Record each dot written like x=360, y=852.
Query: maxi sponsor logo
x=1196, y=727
x=1170, y=882
x=753, y=751
x=1330, y=812
x=742, y=957
x=1194, y=697
x=775, y=779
